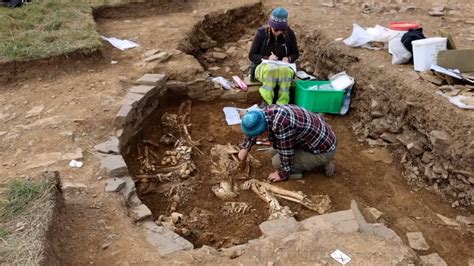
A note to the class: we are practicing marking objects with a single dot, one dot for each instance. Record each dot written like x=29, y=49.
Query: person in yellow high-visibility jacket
x=274, y=42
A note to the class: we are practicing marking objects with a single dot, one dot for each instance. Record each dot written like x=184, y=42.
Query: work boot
x=329, y=168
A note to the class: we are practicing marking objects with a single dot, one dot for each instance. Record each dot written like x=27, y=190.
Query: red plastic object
x=403, y=25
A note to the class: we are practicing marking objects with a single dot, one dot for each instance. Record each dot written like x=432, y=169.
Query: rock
x=160, y=57
x=428, y=76
x=141, y=89
x=427, y=157
x=465, y=219
x=415, y=147
x=114, y=165
x=231, y=50
x=233, y=95
x=208, y=44
x=73, y=187
x=158, y=80
x=377, y=114
x=341, y=221
x=75, y=155
x=234, y=252
x=439, y=138
x=35, y=111
x=377, y=142
x=151, y=52
x=389, y=137
x=131, y=98
x=219, y=56
x=448, y=221
x=279, y=227
x=140, y=213
x=114, y=184
x=121, y=116
x=111, y=146
x=105, y=246
x=437, y=11
x=166, y=240
x=405, y=9
x=432, y=260
x=417, y=241
x=374, y=213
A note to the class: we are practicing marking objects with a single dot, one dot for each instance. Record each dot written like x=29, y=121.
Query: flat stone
x=166, y=240
x=438, y=137
x=432, y=260
x=73, y=187
x=141, y=89
x=219, y=56
x=382, y=231
x=214, y=69
x=374, y=213
x=279, y=227
x=342, y=221
x=140, y=213
x=114, y=184
x=121, y=116
x=417, y=241
x=415, y=147
x=75, y=155
x=234, y=252
x=427, y=157
x=160, y=57
x=111, y=146
x=465, y=219
x=151, y=52
x=131, y=98
x=389, y=137
x=158, y=80
x=114, y=165
x=448, y=221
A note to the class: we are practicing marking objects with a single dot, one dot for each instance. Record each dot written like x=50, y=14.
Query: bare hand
x=273, y=57
x=243, y=154
x=275, y=177
x=285, y=59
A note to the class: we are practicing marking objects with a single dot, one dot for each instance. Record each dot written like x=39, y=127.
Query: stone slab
x=141, y=89
x=279, y=227
x=417, y=241
x=166, y=240
x=158, y=80
x=432, y=260
x=122, y=114
x=111, y=146
x=342, y=221
x=131, y=98
x=114, y=184
x=114, y=165
x=140, y=213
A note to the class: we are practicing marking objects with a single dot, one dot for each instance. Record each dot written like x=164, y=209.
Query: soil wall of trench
x=433, y=139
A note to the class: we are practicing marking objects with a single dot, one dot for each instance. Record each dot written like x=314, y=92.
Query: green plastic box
x=318, y=96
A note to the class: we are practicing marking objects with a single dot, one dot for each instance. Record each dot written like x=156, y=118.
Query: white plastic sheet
x=400, y=54
x=120, y=44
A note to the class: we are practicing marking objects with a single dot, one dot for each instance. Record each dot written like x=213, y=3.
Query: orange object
x=403, y=25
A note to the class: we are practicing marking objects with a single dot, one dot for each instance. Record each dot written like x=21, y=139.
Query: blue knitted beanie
x=254, y=123
x=279, y=19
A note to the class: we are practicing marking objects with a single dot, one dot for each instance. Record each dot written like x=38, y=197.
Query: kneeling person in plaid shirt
x=301, y=140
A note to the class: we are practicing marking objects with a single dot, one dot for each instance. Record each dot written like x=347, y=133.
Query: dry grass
x=24, y=221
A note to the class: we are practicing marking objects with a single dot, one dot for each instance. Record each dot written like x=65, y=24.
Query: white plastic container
x=425, y=52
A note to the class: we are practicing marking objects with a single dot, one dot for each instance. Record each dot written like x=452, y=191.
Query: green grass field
x=47, y=28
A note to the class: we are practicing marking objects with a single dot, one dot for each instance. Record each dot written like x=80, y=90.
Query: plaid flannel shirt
x=291, y=127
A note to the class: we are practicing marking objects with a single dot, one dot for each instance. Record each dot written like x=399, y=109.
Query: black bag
x=12, y=3
x=412, y=35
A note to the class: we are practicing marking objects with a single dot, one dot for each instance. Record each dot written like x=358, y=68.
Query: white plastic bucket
x=425, y=52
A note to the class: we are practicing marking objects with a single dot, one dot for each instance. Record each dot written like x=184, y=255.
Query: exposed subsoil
x=82, y=97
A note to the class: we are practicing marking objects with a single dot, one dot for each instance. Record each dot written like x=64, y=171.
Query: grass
x=47, y=28
x=20, y=193
x=25, y=215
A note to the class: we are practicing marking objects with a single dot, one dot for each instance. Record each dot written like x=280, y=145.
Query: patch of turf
x=47, y=28
x=20, y=193
x=4, y=232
